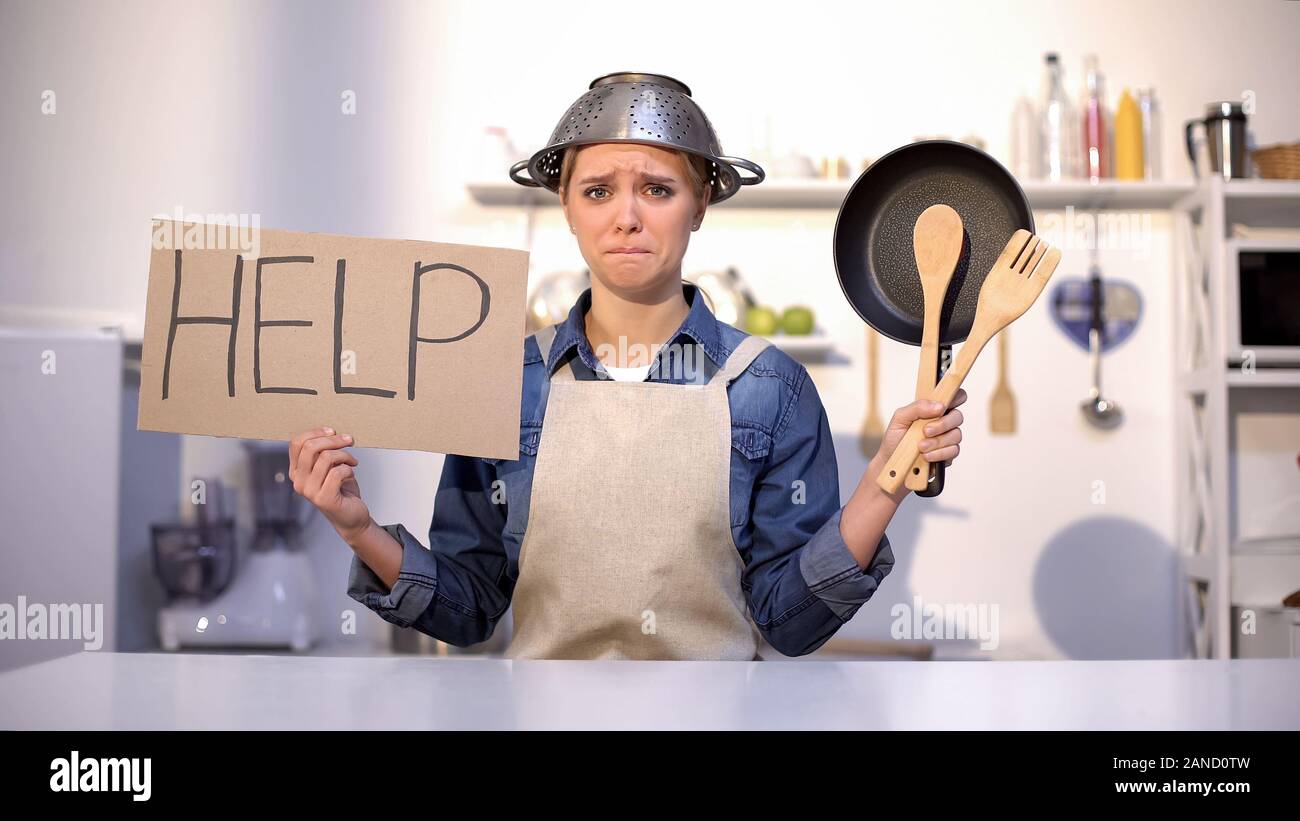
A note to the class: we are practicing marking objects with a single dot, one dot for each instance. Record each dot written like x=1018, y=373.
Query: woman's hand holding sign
x=323, y=474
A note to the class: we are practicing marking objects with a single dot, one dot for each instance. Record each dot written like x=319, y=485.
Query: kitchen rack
x=1206, y=374
x=817, y=193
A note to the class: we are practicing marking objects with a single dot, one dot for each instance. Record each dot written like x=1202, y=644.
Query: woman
x=676, y=494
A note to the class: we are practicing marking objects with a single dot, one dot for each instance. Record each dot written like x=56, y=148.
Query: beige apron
x=628, y=552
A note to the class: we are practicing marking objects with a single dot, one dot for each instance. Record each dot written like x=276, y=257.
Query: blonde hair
x=697, y=171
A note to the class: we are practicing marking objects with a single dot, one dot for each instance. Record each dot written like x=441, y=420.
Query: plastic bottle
x=1058, y=135
x=1151, y=165
x=1094, y=124
x=1128, y=138
x=1026, y=155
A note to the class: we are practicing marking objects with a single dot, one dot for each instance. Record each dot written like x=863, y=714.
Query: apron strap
x=544, y=339
x=745, y=353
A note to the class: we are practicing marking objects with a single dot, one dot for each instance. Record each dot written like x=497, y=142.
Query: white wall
x=235, y=109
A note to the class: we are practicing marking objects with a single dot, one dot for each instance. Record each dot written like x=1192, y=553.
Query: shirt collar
x=700, y=326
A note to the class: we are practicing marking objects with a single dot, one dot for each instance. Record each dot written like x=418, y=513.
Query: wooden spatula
x=1002, y=407
x=1015, y=281
x=936, y=243
x=873, y=429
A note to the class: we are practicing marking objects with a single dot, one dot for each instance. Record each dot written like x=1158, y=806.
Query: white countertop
x=97, y=690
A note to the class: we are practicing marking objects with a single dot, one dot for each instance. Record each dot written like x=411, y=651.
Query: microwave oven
x=1263, y=302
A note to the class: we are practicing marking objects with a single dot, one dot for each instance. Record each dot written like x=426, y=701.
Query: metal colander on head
x=633, y=107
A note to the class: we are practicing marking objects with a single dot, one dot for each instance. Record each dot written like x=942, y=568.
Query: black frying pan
x=874, y=258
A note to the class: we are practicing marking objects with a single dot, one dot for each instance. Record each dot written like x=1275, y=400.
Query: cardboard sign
x=402, y=344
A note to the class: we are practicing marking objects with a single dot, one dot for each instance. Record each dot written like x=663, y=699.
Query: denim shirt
x=800, y=579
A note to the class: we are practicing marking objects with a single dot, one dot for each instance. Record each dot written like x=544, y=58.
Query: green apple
x=797, y=320
x=761, y=320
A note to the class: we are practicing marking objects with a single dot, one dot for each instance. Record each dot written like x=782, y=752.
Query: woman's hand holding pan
x=871, y=507
x=942, y=436
x=322, y=472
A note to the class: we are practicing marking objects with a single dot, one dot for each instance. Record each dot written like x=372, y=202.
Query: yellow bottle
x=1128, y=138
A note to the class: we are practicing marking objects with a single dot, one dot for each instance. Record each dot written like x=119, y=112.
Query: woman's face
x=632, y=210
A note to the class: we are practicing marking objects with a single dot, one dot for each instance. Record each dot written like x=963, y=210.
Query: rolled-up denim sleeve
x=803, y=581
x=835, y=576
x=457, y=589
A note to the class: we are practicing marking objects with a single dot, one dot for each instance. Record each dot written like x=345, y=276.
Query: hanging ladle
x=1100, y=412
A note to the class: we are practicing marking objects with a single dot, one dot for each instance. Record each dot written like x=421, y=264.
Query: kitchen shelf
x=1262, y=189
x=1107, y=195
x=1200, y=380
x=827, y=194
x=1279, y=545
x=1207, y=375
x=772, y=193
x=815, y=347
x=1261, y=203
x=1264, y=378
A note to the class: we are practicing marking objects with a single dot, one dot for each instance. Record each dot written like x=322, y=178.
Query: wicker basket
x=1278, y=162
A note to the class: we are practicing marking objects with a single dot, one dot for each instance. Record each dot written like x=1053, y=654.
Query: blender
x=271, y=598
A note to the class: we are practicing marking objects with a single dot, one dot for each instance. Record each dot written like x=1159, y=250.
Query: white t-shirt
x=628, y=374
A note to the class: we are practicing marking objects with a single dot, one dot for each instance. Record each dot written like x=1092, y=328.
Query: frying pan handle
x=522, y=180
x=937, y=469
x=753, y=168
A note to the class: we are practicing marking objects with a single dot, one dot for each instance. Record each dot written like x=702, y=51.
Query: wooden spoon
x=936, y=243
x=1015, y=281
